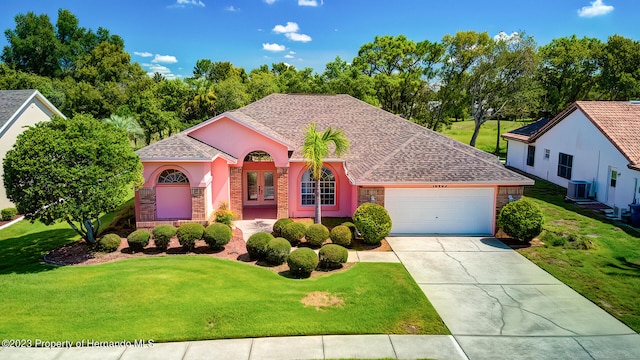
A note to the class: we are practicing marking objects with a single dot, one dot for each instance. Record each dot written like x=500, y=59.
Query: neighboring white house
x=595, y=142
x=19, y=109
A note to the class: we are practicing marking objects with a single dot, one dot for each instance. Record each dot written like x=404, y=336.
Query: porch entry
x=259, y=187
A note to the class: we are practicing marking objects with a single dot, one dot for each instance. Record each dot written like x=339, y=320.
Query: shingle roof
x=619, y=122
x=384, y=147
x=10, y=102
x=181, y=147
x=525, y=133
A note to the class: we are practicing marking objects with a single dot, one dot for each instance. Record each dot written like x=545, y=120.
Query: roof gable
x=13, y=101
x=181, y=147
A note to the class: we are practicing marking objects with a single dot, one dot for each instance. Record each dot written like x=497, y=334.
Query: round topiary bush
x=188, y=234
x=332, y=256
x=217, y=235
x=373, y=222
x=351, y=227
x=8, y=214
x=293, y=232
x=162, y=235
x=302, y=262
x=278, y=250
x=521, y=219
x=341, y=235
x=257, y=245
x=279, y=225
x=109, y=243
x=138, y=239
x=316, y=235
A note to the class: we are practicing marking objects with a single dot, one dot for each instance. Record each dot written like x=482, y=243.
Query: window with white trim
x=565, y=164
x=172, y=176
x=327, y=188
x=547, y=154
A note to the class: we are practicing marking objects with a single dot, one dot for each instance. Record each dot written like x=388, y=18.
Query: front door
x=259, y=187
x=613, y=182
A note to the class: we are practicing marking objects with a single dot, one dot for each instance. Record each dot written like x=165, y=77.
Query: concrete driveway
x=499, y=305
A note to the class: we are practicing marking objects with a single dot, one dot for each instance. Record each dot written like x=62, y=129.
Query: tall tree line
x=465, y=75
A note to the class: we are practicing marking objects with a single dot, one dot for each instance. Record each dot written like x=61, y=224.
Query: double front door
x=259, y=188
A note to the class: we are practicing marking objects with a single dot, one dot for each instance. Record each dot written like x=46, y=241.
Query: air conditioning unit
x=578, y=190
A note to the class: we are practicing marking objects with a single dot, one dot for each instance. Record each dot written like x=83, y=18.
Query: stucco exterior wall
x=593, y=155
x=31, y=114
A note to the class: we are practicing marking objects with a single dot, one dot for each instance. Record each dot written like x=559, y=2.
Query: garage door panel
x=440, y=211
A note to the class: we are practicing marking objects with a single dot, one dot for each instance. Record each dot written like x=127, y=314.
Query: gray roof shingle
x=180, y=147
x=385, y=148
x=10, y=102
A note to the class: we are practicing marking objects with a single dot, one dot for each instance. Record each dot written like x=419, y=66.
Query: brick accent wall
x=198, y=205
x=235, y=179
x=147, y=198
x=283, y=192
x=364, y=195
x=503, y=195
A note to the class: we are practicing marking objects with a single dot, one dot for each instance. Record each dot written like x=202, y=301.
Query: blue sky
x=169, y=36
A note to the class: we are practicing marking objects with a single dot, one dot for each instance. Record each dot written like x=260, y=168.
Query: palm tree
x=127, y=123
x=316, y=149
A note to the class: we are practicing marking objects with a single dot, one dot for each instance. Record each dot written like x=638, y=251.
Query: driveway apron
x=499, y=305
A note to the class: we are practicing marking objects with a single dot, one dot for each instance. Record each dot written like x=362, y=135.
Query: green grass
x=191, y=297
x=178, y=298
x=608, y=274
x=463, y=130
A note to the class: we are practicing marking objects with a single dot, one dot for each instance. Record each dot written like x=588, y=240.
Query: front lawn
x=608, y=274
x=178, y=298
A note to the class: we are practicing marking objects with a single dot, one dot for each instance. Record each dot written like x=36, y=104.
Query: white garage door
x=440, y=211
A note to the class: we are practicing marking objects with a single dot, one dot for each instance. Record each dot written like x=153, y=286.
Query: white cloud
x=161, y=69
x=185, y=3
x=165, y=59
x=298, y=37
x=270, y=1
x=143, y=54
x=291, y=27
x=292, y=52
x=273, y=47
x=289, y=56
x=232, y=8
x=503, y=36
x=308, y=3
x=597, y=8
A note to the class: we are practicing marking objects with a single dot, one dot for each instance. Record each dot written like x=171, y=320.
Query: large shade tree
x=316, y=149
x=71, y=170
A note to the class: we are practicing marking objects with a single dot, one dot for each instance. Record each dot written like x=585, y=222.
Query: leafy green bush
x=188, y=234
x=278, y=250
x=217, y=235
x=257, y=245
x=332, y=256
x=521, y=219
x=351, y=227
x=109, y=243
x=302, y=262
x=8, y=214
x=279, y=225
x=316, y=235
x=341, y=235
x=138, y=239
x=162, y=235
x=293, y=232
x=373, y=222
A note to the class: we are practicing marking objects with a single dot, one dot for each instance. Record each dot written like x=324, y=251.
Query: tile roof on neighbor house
x=618, y=121
x=384, y=148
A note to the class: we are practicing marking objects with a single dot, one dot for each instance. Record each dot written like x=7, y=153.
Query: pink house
x=251, y=159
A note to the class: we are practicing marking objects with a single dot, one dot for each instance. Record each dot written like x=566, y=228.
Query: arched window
x=327, y=188
x=172, y=176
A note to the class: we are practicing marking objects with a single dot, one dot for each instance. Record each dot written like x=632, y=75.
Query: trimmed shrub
x=162, y=235
x=341, y=235
x=351, y=227
x=302, y=262
x=8, y=214
x=521, y=219
x=373, y=222
x=257, y=245
x=316, y=235
x=279, y=225
x=332, y=256
x=217, y=235
x=109, y=243
x=278, y=250
x=138, y=239
x=293, y=232
x=188, y=234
